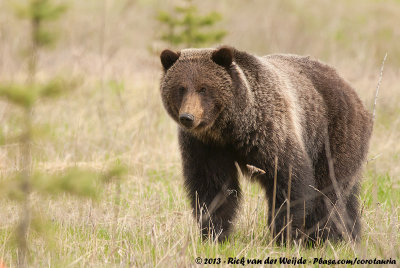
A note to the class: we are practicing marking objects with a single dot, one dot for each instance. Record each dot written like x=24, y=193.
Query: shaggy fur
x=250, y=110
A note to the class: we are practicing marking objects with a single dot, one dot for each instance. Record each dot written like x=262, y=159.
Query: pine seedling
x=24, y=96
x=186, y=27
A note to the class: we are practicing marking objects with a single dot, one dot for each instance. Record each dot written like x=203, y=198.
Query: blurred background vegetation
x=107, y=51
x=357, y=30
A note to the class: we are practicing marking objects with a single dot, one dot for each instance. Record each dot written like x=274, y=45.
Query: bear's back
x=349, y=123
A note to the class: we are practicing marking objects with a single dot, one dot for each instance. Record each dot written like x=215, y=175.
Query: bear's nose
x=186, y=119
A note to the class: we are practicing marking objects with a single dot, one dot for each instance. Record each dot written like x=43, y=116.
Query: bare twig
x=274, y=199
x=377, y=86
x=373, y=158
x=255, y=171
x=341, y=205
x=288, y=207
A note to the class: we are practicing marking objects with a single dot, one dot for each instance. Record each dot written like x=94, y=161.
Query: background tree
x=185, y=27
x=24, y=96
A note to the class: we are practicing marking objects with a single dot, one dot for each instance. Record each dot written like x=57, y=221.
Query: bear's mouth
x=198, y=126
x=194, y=127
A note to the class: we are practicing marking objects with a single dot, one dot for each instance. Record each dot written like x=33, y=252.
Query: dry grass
x=116, y=114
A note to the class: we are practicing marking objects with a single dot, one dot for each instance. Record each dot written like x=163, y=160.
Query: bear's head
x=198, y=84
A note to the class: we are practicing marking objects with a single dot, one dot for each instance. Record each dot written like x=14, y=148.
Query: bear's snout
x=191, y=110
x=186, y=120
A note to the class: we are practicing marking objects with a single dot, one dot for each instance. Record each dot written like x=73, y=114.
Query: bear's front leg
x=211, y=180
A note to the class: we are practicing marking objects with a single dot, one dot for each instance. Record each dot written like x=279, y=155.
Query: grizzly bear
x=291, y=118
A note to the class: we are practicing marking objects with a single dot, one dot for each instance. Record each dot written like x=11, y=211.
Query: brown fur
x=249, y=110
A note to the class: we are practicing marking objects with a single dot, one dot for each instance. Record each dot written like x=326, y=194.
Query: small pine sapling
x=185, y=27
x=24, y=96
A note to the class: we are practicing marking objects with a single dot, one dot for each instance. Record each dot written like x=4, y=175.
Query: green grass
x=155, y=225
x=382, y=190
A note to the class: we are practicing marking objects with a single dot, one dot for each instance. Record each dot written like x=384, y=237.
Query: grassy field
x=116, y=115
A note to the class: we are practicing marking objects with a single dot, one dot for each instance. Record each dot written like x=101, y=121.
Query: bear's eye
x=202, y=90
x=182, y=90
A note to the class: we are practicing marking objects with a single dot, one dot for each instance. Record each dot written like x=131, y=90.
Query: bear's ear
x=168, y=58
x=223, y=56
